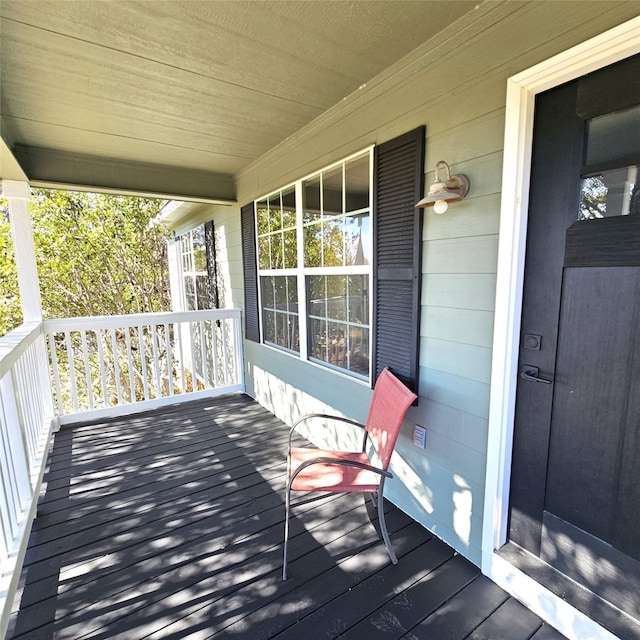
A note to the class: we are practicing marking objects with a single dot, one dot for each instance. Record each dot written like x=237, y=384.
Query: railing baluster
x=132, y=382
x=87, y=368
x=143, y=356
x=180, y=327
x=203, y=348
x=72, y=373
x=238, y=353
x=156, y=363
x=23, y=386
x=101, y=369
x=214, y=352
x=53, y=355
x=192, y=364
x=225, y=351
x=116, y=365
x=169, y=358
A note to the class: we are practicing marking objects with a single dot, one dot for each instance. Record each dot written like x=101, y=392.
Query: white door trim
x=600, y=51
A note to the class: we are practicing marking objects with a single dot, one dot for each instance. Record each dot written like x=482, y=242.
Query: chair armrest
x=339, y=461
x=327, y=417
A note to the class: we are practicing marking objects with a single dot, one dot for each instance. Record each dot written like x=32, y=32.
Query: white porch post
x=17, y=194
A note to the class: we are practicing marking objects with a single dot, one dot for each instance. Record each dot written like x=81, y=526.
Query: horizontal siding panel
x=461, y=255
x=466, y=139
x=460, y=290
x=467, y=395
x=473, y=217
x=464, y=428
x=466, y=361
x=458, y=325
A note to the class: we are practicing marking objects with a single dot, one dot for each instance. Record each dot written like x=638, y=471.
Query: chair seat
x=332, y=477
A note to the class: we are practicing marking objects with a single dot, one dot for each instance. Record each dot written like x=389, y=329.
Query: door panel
x=592, y=385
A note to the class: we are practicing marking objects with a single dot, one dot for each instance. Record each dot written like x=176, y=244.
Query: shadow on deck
x=169, y=524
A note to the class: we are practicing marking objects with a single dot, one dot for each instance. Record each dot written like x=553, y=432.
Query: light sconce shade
x=442, y=192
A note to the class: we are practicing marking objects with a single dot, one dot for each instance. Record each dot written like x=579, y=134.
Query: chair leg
x=286, y=530
x=385, y=534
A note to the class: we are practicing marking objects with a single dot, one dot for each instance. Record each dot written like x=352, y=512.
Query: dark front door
x=575, y=492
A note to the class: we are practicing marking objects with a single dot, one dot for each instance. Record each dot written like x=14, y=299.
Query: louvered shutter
x=397, y=224
x=251, y=313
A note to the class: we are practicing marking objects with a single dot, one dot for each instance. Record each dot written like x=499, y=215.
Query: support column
x=17, y=194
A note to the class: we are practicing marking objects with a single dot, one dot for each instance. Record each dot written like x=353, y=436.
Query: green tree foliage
x=10, y=310
x=96, y=254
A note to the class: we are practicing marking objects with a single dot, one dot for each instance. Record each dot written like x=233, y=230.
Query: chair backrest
x=389, y=404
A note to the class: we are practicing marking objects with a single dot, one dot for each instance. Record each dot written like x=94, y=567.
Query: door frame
x=602, y=50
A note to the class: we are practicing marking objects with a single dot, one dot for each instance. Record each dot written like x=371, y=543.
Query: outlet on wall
x=419, y=436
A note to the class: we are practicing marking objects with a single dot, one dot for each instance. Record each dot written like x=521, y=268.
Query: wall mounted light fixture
x=442, y=192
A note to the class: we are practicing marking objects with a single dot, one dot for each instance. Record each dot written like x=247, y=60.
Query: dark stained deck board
x=512, y=619
x=169, y=524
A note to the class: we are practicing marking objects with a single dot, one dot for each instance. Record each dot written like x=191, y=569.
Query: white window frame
x=301, y=272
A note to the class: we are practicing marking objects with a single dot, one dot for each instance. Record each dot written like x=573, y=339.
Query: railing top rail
x=14, y=343
x=135, y=319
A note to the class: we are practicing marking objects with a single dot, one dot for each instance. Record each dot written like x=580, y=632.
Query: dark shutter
x=397, y=224
x=251, y=317
x=212, y=268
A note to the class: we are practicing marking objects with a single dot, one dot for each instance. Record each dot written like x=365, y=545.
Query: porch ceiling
x=175, y=97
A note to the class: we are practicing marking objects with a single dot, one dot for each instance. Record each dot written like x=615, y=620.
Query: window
x=314, y=255
x=332, y=263
x=198, y=269
x=277, y=261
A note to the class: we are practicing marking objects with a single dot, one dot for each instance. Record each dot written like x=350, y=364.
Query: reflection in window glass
x=610, y=193
x=277, y=240
x=279, y=297
x=356, y=178
x=338, y=321
x=613, y=136
x=332, y=238
x=289, y=208
x=332, y=243
x=190, y=294
x=357, y=239
x=311, y=200
x=332, y=192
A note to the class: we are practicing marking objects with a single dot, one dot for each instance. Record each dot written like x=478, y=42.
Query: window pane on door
x=613, y=136
x=610, y=193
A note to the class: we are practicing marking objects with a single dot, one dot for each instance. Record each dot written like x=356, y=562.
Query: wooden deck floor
x=169, y=524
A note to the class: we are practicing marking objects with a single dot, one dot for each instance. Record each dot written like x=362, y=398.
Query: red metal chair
x=352, y=471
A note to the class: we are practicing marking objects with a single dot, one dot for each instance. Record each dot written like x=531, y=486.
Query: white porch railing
x=26, y=424
x=105, y=365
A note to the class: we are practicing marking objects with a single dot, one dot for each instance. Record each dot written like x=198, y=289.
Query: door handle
x=531, y=373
